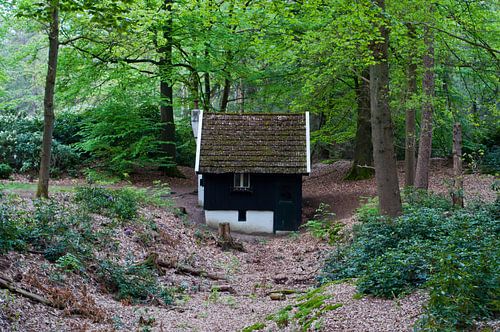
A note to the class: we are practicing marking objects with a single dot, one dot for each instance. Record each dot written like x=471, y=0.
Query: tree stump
x=225, y=232
x=225, y=241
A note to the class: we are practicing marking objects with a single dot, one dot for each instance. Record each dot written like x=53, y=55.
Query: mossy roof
x=253, y=143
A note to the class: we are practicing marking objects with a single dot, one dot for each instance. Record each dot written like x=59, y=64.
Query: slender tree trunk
x=206, y=104
x=166, y=93
x=225, y=95
x=384, y=158
x=195, y=89
x=425, y=146
x=363, y=150
x=48, y=103
x=458, y=190
x=240, y=95
x=410, y=120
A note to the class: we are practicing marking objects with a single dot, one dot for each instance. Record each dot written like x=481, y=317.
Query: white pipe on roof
x=198, y=142
x=308, y=143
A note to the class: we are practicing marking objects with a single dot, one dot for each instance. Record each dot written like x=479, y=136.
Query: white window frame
x=239, y=181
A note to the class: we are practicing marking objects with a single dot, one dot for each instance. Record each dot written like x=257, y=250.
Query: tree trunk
x=225, y=95
x=166, y=93
x=206, y=104
x=363, y=150
x=425, y=146
x=386, y=174
x=458, y=188
x=410, y=120
x=225, y=232
x=240, y=96
x=195, y=89
x=48, y=103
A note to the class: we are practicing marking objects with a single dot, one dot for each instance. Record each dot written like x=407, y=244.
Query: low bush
x=490, y=164
x=20, y=144
x=5, y=171
x=137, y=283
x=123, y=134
x=67, y=235
x=452, y=252
x=58, y=230
x=119, y=203
x=323, y=226
x=51, y=228
x=11, y=228
x=185, y=142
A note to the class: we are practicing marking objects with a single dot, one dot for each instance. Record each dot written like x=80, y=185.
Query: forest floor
x=267, y=264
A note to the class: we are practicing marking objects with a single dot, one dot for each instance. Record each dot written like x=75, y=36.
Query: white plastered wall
x=256, y=221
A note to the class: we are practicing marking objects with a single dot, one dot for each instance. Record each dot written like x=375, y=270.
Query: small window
x=242, y=215
x=202, y=183
x=241, y=181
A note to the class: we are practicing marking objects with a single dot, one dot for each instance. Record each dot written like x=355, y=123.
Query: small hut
x=250, y=169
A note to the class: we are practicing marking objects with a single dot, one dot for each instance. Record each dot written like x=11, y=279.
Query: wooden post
x=458, y=184
x=225, y=232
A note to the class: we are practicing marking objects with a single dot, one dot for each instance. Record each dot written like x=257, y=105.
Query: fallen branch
x=285, y=291
x=224, y=288
x=195, y=272
x=153, y=260
x=10, y=285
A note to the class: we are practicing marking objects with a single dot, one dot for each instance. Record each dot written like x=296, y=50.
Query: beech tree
x=48, y=101
x=386, y=173
x=425, y=145
x=363, y=150
x=410, y=135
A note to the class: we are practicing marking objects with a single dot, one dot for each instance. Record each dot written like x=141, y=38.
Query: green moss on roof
x=253, y=143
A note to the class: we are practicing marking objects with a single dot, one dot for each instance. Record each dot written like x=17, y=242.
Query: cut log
x=7, y=284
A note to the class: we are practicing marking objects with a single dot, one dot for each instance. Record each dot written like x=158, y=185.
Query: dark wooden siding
x=265, y=193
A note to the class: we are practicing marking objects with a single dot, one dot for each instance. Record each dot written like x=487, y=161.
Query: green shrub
x=20, y=144
x=185, y=142
x=368, y=210
x=119, y=203
x=123, y=134
x=453, y=252
x=323, y=226
x=11, y=225
x=69, y=262
x=51, y=228
x=490, y=164
x=465, y=284
x=67, y=127
x=5, y=171
x=58, y=230
x=418, y=198
x=137, y=283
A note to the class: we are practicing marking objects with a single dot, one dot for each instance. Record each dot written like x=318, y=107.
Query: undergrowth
x=134, y=282
x=67, y=233
x=453, y=253
x=323, y=226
